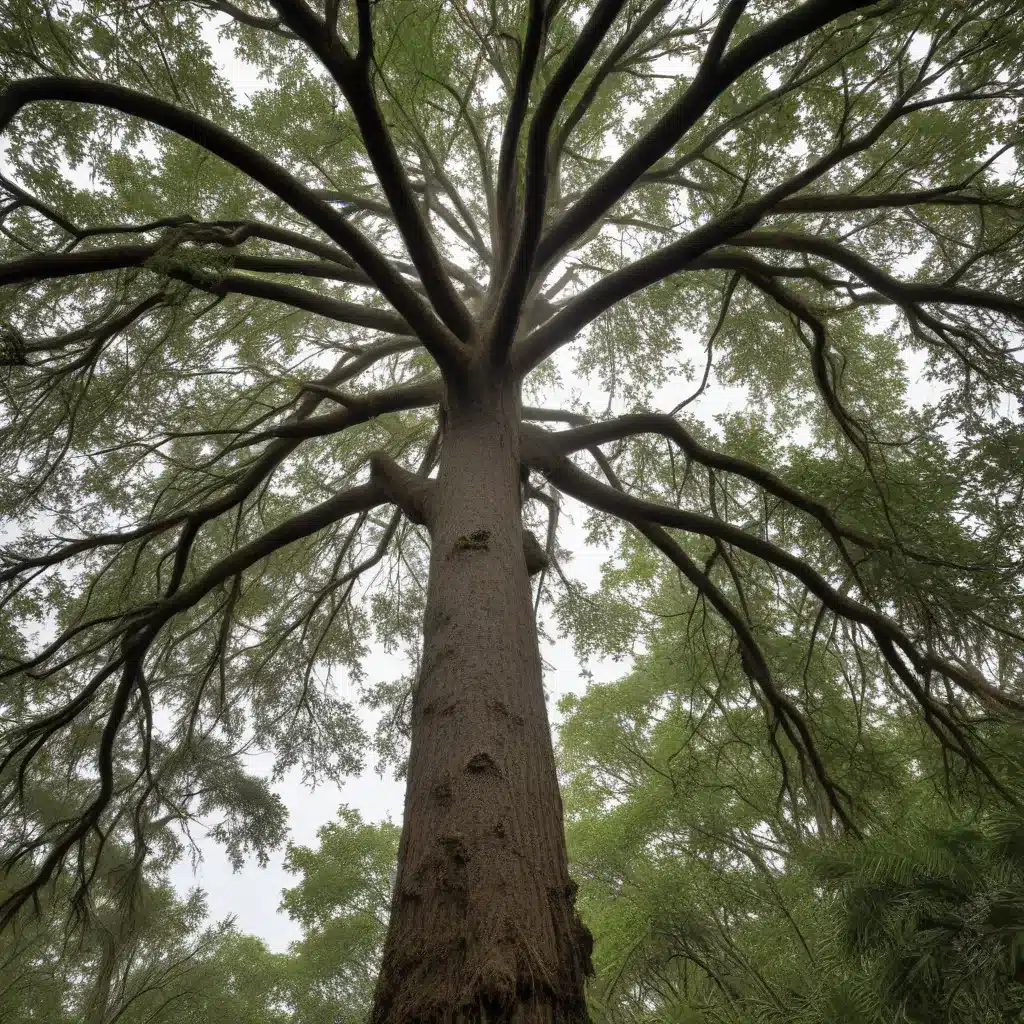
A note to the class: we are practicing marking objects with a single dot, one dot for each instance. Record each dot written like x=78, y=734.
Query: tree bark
x=99, y=996
x=483, y=925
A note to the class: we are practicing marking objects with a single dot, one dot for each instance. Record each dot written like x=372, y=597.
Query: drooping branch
x=47, y=266
x=96, y=334
x=820, y=365
x=136, y=643
x=298, y=298
x=539, y=454
x=358, y=409
x=754, y=663
x=633, y=424
x=285, y=438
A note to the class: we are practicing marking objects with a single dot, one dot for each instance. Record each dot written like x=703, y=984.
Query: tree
x=159, y=961
x=709, y=902
x=261, y=322
x=342, y=903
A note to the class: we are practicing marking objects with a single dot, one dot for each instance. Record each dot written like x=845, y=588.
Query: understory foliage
x=748, y=277
x=161, y=959
x=710, y=901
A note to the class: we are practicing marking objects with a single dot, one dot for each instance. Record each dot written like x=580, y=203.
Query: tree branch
x=903, y=293
x=352, y=74
x=538, y=454
x=507, y=155
x=445, y=348
x=713, y=77
x=517, y=278
x=585, y=436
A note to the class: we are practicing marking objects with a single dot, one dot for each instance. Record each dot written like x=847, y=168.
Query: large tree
x=268, y=354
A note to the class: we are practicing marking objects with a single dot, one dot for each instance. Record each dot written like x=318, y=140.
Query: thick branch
x=352, y=73
x=684, y=253
x=517, y=279
x=445, y=348
x=903, y=293
x=568, y=441
x=755, y=665
x=506, y=198
x=713, y=78
x=286, y=438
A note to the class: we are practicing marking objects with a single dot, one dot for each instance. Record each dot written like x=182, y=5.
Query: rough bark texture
x=483, y=923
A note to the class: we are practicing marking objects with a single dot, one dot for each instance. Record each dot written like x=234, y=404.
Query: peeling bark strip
x=492, y=933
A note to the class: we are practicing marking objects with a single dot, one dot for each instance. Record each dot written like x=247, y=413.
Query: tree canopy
x=240, y=330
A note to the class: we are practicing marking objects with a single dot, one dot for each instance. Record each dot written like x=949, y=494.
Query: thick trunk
x=483, y=926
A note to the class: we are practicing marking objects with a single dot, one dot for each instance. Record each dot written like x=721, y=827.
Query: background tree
x=208, y=461
x=711, y=902
x=160, y=961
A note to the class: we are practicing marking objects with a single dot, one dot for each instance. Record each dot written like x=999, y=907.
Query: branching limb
x=903, y=293
x=145, y=625
x=435, y=336
x=715, y=75
x=507, y=156
x=243, y=17
x=286, y=438
x=755, y=665
x=520, y=267
x=411, y=492
x=352, y=72
x=539, y=454
x=568, y=441
x=685, y=253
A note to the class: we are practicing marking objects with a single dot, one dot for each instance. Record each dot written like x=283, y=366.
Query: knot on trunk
x=482, y=762
x=455, y=846
x=478, y=540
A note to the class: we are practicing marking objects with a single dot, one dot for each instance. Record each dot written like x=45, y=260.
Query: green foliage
x=816, y=551
x=710, y=900
x=157, y=959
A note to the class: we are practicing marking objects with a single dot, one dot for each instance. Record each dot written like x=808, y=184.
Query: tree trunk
x=483, y=925
x=99, y=996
